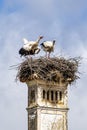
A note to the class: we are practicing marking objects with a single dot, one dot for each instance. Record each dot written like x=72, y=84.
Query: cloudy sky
x=62, y=20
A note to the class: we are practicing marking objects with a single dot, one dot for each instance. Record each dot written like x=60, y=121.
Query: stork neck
x=38, y=39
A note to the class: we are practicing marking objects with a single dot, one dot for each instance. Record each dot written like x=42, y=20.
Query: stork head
x=54, y=42
x=41, y=37
x=38, y=40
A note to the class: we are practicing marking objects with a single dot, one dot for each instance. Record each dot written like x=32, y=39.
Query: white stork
x=48, y=46
x=30, y=47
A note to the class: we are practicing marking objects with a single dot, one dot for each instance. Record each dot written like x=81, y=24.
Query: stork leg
x=31, y=64
x=29, y=60
x=48, y=55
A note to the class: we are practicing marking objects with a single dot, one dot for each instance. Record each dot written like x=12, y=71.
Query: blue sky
x=64, y=21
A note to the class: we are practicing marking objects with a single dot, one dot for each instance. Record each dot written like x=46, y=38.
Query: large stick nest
x=51, y=69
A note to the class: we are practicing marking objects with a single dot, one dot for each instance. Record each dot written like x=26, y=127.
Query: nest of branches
x=49, y=69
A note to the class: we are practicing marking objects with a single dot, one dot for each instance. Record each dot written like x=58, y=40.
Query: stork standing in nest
x=30, y=47
x=48, y=46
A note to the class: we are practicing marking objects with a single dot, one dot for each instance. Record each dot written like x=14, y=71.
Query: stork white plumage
x=31, y=44
x=48, y=46
x=30, y=47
